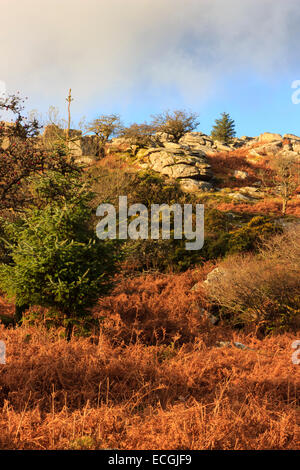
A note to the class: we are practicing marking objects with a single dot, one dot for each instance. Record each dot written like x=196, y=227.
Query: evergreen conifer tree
x=56, y=260
x=224, y=129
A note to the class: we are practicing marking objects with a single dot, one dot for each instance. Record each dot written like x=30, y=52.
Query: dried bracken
x=99, y=393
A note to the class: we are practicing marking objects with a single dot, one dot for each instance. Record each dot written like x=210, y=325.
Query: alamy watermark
x=296, y=354
x=2, y=90
x=2, y=353
x=135, y=222
x=296, y=94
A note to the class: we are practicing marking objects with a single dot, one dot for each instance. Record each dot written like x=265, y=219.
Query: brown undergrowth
x=132, y=388
x=270, y=207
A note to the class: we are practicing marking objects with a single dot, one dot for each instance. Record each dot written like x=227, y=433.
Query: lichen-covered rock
x=192, y=185
x=197, y=141
x=222, y=147
x=269, y=149
x=296, y=147
x=178, y=163
x=214, y=275
x=238, y=196
x=252, y=192
x=291, y=137
x=175, y=148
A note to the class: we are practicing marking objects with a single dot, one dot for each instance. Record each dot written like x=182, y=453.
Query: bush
x=139, y=135
x=148, y=188
x=223, y=237
x=23, y=154
x=248, y=237
x=103, y=128
x=263, y=290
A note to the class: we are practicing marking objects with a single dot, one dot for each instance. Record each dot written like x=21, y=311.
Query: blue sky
x=140, y=57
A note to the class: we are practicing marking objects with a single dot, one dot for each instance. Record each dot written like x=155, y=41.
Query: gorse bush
x=147, y=187
x=224, y=237
x=251, y=235
x=160, y=255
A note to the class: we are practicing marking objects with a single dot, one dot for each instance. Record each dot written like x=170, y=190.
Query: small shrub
x=263, y=290
x=222, y=237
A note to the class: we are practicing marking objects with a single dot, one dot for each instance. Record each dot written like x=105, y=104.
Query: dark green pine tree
x=224, y=129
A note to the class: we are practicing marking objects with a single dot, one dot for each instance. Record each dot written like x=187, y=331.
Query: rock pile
x=274, y=144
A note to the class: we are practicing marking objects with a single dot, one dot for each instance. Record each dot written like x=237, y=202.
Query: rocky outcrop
x=292, y=137
x=186, y=160
x=198, y=141
x=180, y=162
x=269, y=144
x=269, y=137
x=238, y=142
x=247, y=194
x=191, y=185
x=269, y=149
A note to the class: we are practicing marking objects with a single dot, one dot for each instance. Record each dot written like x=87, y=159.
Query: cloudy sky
x=139, y=57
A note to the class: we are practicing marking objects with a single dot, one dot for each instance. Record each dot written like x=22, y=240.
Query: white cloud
x=111, y=50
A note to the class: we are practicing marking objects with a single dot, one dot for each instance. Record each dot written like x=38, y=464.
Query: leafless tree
x=176, y=123
x=286, y=177
x=104, y=127
x=138, y=135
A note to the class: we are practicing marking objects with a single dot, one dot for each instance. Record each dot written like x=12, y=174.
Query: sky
x=140, y=57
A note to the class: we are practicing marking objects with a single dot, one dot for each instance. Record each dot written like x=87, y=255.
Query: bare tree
x=58, y=132
x=176, y=123
x=286, y=177
x=23, y=154
x=138, y=135
x=104, y=127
